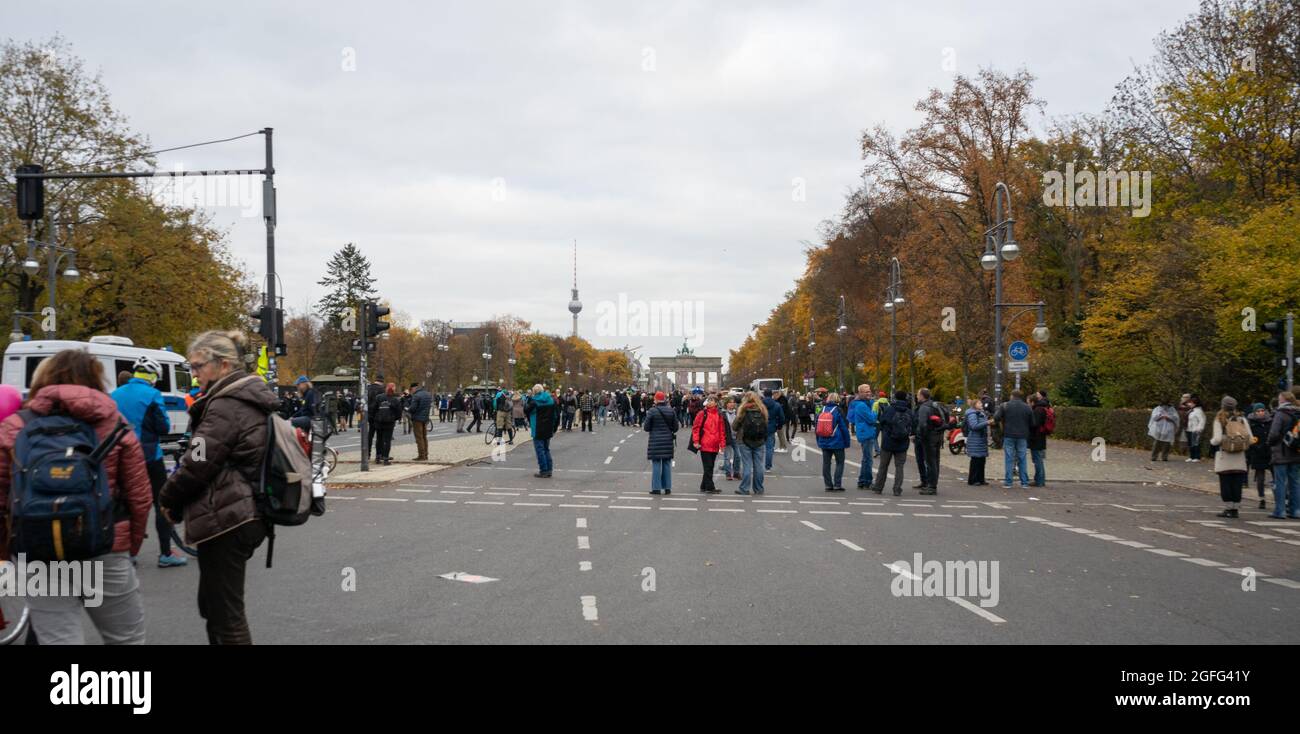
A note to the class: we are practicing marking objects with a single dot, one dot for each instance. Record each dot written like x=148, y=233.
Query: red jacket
x=124, y=464
x=709, y=430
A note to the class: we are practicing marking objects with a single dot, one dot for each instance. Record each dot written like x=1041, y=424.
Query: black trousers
x=708, y=458
x=976, y=473
x=477, y=421
x=586, y=421
x=932, y=448
x=918, y=448
x=221, y=582
x=1230, y=486
x=157, y=478
x=370, y=434
x=384, y=444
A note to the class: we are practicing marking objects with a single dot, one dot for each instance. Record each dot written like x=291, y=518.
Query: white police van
x=767, y=383
x=116, y=354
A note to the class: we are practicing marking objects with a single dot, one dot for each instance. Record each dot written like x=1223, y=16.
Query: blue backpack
x=61, y=506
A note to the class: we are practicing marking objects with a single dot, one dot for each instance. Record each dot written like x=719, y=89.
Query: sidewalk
x=442, y=454
x=1072, y=461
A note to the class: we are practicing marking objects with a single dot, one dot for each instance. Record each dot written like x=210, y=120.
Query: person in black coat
x=661, y=425
x=896, y=425
x=1258, y=457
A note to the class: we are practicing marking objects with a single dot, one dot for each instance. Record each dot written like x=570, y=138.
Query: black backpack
x=753, y=429
x=898, y=425
x=385, y=411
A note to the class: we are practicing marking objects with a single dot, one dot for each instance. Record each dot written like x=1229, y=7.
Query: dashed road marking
x=385, y=499
x=441, y=502
x=884, y=514
x=849, y=544
x=530, y=504
x=813, y=525
x=578, y=505
x=1165, y=552
x=584, y=565
x=608, y=459
x=1205, y=562
x=581, y=523
x=420, y=491
x=482, y=502
x=584, y=542
x=589, y=608
x=1166, y=532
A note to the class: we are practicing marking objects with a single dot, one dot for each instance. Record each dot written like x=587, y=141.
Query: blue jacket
x=141, y=404
x=840, y=439
x=977, y=433
x=775, y=416
x=421, y=402
x=302, y=417
x=862, y=415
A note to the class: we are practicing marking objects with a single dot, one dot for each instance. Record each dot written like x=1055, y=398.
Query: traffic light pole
x=268, y=213
x=1290, y=351
x=361, y=392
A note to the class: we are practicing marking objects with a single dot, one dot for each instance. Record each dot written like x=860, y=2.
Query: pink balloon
x=10, y=401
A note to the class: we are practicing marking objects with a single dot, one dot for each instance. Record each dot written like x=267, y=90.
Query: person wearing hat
x=302, y=417
x=373, y=391
x=661, y=425
x=1229, y=465
x=1257, y=456
x=420, y=406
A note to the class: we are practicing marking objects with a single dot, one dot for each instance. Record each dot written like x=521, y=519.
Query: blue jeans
x=729, y=460
x=1013, y=451
x=771, y=444
x=875, y=444
x=864, y=474
x=1040, y=469
x=751, y=468
x=1286, y=488
x=661, y=474
x=543, y=449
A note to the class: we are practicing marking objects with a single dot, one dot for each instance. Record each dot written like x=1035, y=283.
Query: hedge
x=1119, y=426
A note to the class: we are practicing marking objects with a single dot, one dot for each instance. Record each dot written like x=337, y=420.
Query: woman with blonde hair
x=213, y=488
x=750, y=428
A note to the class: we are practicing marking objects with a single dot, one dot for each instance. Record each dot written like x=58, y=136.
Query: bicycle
x=15, y=618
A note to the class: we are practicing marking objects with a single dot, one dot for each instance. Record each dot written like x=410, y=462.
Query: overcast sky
x=465, y=146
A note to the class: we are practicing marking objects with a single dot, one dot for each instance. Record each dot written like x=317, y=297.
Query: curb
x=432, y=468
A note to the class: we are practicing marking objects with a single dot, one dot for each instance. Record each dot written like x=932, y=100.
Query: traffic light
x=264, y=317
x=373, y=324
x=31, y=194
x=1277, y=339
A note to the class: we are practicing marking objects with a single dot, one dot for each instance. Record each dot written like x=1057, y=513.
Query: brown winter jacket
x=214, y=486
x=124, y=465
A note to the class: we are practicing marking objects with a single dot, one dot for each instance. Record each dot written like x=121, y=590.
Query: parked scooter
x=956, y=438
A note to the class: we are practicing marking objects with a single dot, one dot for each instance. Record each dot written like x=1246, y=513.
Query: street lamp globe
x=31, y=267
x=989, y=261
x=1010, y=249
x=898, y=299
x=1041, y=334
x=15, y=336
x=889, y=305
x=72, y=273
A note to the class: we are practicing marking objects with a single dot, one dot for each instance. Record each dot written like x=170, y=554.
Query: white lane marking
x=453, y=491
x=959, y=507
x=1139, y=504
x=540, y=494
x=582, y=523
x=1083, y=531
x=1238, y=572
x=608, y=459
x=419, y=491
x=458, y=486
x=1130, y=509
x=385, y=499
x=829, y=512
x=630, y=507
x=470, y=578
x=616, y=448
x=1104, y=536
x=1164, y=552
x=589, y=608
x=584, y=542
x=1284, y=582
x=502, y=494
x=726, y=509
x=1031, y=518
x=986, y=517
x=584, y=565
x=1205, y=562
x=722, y=499
x=884, y=514
x=849, y=544
x=990, y=616
x=1268, y=523
x=912, y=504
x=774, y=502
x=681, y=499
x=512, y=489
x=813, y=525
x=1132, y=543
x=623, y=441
x=481, y=502
x=530, y=504
x=687, y=509
x=868, y=504
x=579, y=505
x=590, y=496
x=1056, y=524
x=785, y=512
x=931, y=514
x=1166, y=532
x=816, y=502
x=345, y=497
x=441, y=502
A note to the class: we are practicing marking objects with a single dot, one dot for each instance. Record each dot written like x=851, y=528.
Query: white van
x=767, y=383
x=116, y=354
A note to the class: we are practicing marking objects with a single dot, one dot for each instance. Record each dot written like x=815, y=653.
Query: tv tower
x=575, y=306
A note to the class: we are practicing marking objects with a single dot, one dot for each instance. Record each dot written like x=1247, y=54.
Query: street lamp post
x=1000, y=245
x=17, y=333
x=839, y=345
x=893, y=300
x=54, y=254
x=511, y=361
x=812, y=342
x=487, y=356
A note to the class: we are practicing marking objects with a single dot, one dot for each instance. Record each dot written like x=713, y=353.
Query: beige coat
x=1224, y=461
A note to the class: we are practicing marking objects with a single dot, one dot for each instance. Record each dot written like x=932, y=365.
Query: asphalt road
x=589, y=556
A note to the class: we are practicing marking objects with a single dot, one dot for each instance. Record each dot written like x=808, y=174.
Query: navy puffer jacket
x=661, y=424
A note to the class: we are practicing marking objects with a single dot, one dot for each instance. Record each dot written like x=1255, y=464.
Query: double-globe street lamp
x=1000, y=245
x=893, y=302
x=54, y=254
x=839, y=345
